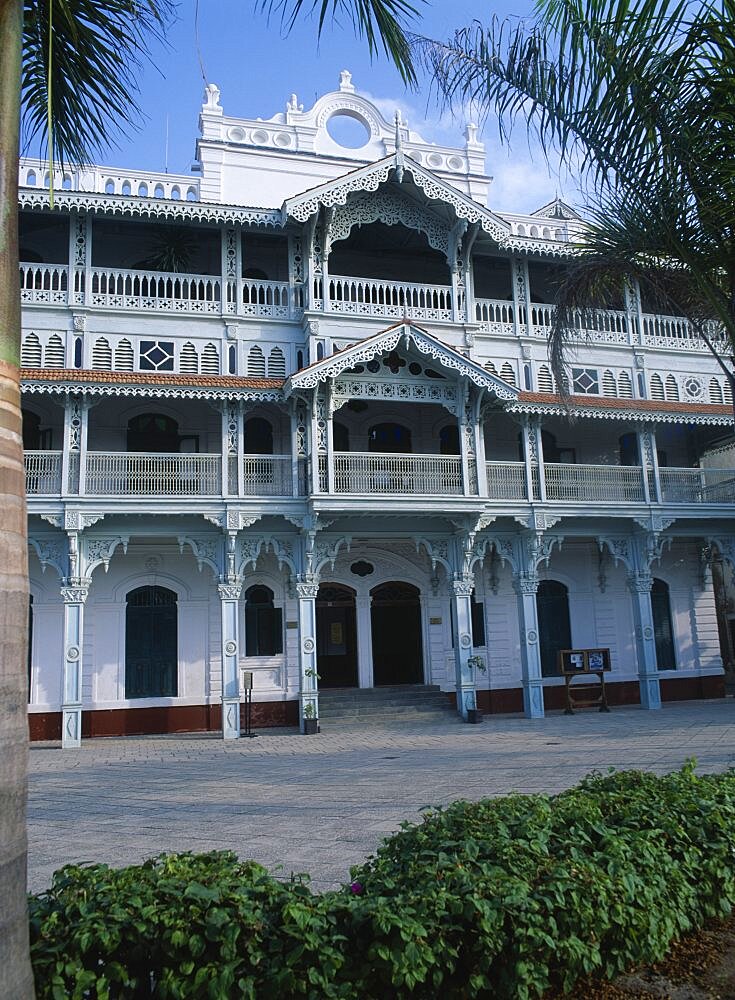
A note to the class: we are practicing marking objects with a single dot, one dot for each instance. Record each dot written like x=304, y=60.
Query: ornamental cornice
x=623, y=413
x=37, y=387
x=389, y=207
x=151, y=208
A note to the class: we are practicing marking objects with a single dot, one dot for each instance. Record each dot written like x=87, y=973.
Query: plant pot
x=311, y=727
x=474, y=715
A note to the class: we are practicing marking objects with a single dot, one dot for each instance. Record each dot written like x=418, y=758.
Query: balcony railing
x=697, y=485
x=433, y=475
x=506, y=480
x=43, y=472
x=157, y=290
x=166, y=475
x=268, y=475
x=496, y=315
x=44, y=283
x=369, y=297
x=594, y=482
x=609, y=325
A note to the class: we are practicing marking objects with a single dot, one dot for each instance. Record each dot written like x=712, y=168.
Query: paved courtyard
x=319, y=804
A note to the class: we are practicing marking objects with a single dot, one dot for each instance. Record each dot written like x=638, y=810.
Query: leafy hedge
x=504, y=897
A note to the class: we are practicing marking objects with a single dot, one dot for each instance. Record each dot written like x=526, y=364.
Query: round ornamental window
x=693, y=387
x=348, y=129
x=373, y=366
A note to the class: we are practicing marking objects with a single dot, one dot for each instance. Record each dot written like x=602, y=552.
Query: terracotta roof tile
x=148, y=378
x=614, y=403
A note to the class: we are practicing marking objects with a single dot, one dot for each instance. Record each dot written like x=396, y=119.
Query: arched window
x=340, y=436
x=263, y=623
x=449, y=440
x=663, y=629
x=153, y=432
x=554, y=629
x=258, y=437
x=151, y=643
x=388, y=438
x=629, y=449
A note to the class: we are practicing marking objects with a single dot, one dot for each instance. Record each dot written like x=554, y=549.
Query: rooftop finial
x=399, y=137
x=345, y=82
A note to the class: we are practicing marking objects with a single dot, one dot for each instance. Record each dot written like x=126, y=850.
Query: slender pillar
x=639, y=584
x=329, y=438
x=74, y=415
x=526, y=588
x=229, y=595
x=306, y=591
x=521, y=295
x=74, y=598
x=462, y=587
x=529, y=450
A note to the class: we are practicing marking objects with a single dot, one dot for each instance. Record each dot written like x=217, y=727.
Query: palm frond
x=382, y=23
x=97, y=50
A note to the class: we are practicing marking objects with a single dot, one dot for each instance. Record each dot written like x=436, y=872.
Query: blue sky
x=257, y=68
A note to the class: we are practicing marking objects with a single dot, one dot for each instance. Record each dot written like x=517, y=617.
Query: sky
x=257, y=68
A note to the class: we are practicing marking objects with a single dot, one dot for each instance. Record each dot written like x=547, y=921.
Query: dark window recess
x=263, y=623
x=340, y=437
x=449, y=440
x=629, y=449
x=232, y=360
x=319, y=351
x=641, y=385
x=478, y=623
x=554, y=629
x=78, y=352
x=392, y=439
x=362, y=568
x=153, y=432
x=299, y=360
x=258, y=437
x=527, y=377
x=151, y=645
x=663, y=629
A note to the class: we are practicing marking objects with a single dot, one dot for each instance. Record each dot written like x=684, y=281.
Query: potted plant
x=311, y=723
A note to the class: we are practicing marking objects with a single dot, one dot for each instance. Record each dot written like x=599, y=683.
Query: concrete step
x=423, y=704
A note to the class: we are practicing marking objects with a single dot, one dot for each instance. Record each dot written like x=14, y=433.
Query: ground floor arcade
x=148, y=627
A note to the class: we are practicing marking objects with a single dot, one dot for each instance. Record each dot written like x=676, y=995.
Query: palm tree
x=70, y=67
x=639, y=97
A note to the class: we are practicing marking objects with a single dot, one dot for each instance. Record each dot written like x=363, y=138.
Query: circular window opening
x=362, y=568
x=348, y=130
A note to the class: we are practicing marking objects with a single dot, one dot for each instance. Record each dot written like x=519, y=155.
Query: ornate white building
x=293, y=414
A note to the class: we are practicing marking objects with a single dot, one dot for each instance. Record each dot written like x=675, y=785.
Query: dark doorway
x=389, y=439
x=336, y=636
x=151, y=643
x=395, y=615
x=663, y=629
x=554, y=630
x=258, y=437
x=153, y=432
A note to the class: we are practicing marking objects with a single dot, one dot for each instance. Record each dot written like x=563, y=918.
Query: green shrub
x=504, y=897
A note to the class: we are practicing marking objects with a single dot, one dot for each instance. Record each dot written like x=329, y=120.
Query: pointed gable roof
x=386, y=341
x=395, y=166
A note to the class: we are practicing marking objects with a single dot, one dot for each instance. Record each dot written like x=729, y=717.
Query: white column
x=521, y=295
x=643, y=450
x=363, y=615
x=329, y=435
x=74, y=598
x=477, y=430
x=537, y=445
x=83, y=435
x=73, y=418
x=463, y=449
x=306, y=591
x=229, y=595
x=526, y=586
x=462, y=587
x=639, y=584
x=526, y=432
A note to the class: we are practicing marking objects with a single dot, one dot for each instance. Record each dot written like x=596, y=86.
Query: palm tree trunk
x=16, y=979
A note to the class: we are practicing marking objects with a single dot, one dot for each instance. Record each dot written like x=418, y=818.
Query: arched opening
x=151, y=643
x=389, y=438
x=34, y=439
x=663, y=627
x=258, y=437
x=340, y=436
x=263, y=623
x=392, y=253
x=153, y=432
x=395, y=616
x=336, y=636
x=449, y=440
x=554, y=629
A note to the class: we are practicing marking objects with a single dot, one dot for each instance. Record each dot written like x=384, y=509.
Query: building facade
x=293, y=415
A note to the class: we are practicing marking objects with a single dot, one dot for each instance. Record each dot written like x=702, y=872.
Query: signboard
x=583, y=661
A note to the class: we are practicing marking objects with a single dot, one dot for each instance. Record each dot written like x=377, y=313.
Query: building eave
x=37, y=381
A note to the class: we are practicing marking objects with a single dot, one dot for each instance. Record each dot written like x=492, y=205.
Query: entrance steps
x=402, y=704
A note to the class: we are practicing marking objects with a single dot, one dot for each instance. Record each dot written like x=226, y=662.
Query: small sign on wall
x=292, y=624
x=435, y=621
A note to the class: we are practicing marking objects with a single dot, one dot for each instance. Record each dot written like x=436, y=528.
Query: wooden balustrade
x=43, y=472
x=370, y=297
x=434, y=475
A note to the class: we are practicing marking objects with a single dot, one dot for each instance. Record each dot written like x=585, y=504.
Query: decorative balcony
x=612, y=483
x=116, y=289
x=44, y=283
x=697, y=485
x=425, y=475
x=139, y=474
x=43, y=473
x=390, y=299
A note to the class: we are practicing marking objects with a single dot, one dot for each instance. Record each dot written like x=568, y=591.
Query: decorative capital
x=526, y=583
x=229, y=591
x=640, y=582
x=74, y=595
x=307, y=590
x=463, y=586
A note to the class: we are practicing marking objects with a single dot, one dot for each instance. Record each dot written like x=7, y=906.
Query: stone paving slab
x=320, y=804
